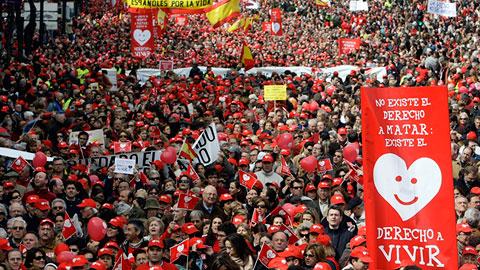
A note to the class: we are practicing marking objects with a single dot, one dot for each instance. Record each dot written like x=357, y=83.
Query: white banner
x=95, y=135
x=207, y=146
x=12, y=153
x=442, y=8
x=358, y=5
x=142, y=159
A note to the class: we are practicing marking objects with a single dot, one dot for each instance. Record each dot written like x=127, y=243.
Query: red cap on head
x=78, y=261
x=267, y=158
x=189, y=228
x=225, y=197
x=342, y=131
x=464, y=227
x=323, y=184
x=362, y=254
x=475, y=190
x=156, y=243
x=5, y=244
x=469, y=250
x=165, y=199
x=42, y=204
x=337, y=199
x=87, y=203
x=98, y=265
x=322, y=266
x=47, y=221
x=317, y=228
x=309, y=188
x=105, y=251
x=357, y=241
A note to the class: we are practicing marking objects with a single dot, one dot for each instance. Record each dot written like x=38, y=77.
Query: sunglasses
x=18, y=228
x=261, y=206
x=304, y=235
x=310, y=255
x=15, y=197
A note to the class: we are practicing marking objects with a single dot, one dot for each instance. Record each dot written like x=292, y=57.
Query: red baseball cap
x=78, y=261
x=112, y=244
x=464, y=227
x=243, y=162
x=292, y=251
x=273, y=229
x=285, y=152
x=189, y=228
x=116, y=222
x=237, y=219
x=327, y=176
x=98, y=265
x=225, y=197
x=42, y=204
x=323, y=184
x=337, y=199
x=278, y=263
x=87, y=203
x=309, y=188
x=156, y=243
x=105, y=251
x=317, y=228
x=469, y=250
x=32, y=199
x=362, y=254
x=165, y=199
x=475, y=190
x=5, y=244
x=357, y=241
x=47, y=221
x=267, y=158
x=337, y=181
x=468, y=266
x=108, y=206
x=322, y=266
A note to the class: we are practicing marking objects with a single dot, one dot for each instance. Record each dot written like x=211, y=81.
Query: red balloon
x=285, y=141
x=306, y=107
x=65, y=257
x=309, y=164
x=97, y=228
x=39, y=160
x=169, y=156
x=350, y=152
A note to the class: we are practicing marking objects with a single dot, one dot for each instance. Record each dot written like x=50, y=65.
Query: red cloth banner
x=348, y=45
x=142, y=35
x=408, y=177
x=276, y=20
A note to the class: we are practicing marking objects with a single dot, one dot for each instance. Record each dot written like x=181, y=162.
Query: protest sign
x=275, y=92
x=191, y=6
x=442, y=8
x=358, y=5
x=123, y=165
x=207, y=145
x=408, y=177
x=348, y=45
x=276, y=20
x=142, y=34
x=142, y=159
x=94, y=136
x=166, y=65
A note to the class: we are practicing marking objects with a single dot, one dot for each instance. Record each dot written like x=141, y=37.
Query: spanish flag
x=223, y=12
x=187, y=152
x=237, y=25
x=247, y=58
x=322, y=3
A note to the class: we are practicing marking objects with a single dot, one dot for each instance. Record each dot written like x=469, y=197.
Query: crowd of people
x=308, y=220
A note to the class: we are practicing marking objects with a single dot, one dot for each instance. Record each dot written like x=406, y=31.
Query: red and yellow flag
x=223, y=12
x=186, y=151
x=247, y=58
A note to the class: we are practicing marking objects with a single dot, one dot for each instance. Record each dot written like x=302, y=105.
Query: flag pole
x=256, y=261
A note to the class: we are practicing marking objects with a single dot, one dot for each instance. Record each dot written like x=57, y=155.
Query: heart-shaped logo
x=271, y=254
x=321, y=163
x=141, y=37
x=123, y=144
x=180, y=248
x=276, y=27
x=18, y=162
x=407, y=190
x=67, y=223
x=187, y=199
x=281, y=212
x=246, y=177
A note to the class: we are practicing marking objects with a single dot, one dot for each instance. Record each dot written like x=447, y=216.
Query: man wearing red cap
x=267, y=174
x=359, y=259
x=47, y=237
x=40, y=185
x=155, y=251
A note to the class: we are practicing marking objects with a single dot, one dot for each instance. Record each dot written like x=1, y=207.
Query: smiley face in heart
x=141, y=36
x=407, y=190
x=271, y=254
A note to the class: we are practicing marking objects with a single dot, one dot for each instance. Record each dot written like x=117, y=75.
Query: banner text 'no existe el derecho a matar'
x=186, y=4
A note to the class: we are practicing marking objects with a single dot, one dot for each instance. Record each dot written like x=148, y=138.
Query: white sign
x=142, y=159
x=123, y=165
x=442, y=8
x=12, y=153
x=358, y=5
x=207, y=146
x=95, y=135
x=252, y=4
x=112, y=77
